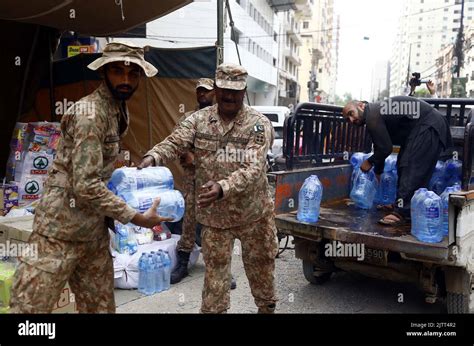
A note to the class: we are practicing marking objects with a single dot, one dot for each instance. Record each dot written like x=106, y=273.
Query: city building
x=468, y=64
x=425, y=27
x=319, y=52
x=289, y=56
x=446, y=63
x=256, y=27
x=380, y=83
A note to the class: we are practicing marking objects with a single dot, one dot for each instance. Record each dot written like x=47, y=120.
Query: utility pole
x=408, y=68
x=459, y=43
x=220, y=32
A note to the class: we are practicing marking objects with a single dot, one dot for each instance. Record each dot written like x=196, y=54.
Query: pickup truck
x=318, y=140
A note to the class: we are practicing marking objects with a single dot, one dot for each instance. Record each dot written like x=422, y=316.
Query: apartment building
x=425, y=28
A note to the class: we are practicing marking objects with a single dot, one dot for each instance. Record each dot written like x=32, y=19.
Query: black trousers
x=416, y=163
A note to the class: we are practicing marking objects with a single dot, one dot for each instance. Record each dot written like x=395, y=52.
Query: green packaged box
x=7, y=270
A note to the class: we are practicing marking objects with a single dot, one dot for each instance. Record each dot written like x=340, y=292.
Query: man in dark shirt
x=420, y=130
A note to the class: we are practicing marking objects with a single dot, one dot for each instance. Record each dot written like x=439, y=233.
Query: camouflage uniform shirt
x=75, y=199
x=233, y=155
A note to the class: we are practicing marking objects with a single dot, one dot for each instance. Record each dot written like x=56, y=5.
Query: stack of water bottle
x=446, y=174
x=366, y=190
x=154, y=272
x=363, y=184
x=387, y=187
x=139, y=188
x=430, y=209
x=309, y=200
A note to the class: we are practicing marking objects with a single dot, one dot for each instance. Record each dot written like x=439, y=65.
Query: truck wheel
x=458, y=303
x=313, y=276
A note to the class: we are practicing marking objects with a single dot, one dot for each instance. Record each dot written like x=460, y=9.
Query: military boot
x=181, y=270
x=269, y=309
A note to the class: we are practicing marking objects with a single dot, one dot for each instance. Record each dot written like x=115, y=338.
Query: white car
x=277, y=115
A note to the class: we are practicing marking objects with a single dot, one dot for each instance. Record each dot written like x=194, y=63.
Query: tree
x=422, y=93
x=383, y=95
x=338, y=101
x=347, y=97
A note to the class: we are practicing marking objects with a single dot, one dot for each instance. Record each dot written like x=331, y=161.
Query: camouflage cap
x=205, y=83
x=116, y=51
x=231, y=76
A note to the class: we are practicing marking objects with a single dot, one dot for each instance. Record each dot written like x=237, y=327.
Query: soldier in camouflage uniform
x=69, y=226
x=205, y=97
x=230, y=141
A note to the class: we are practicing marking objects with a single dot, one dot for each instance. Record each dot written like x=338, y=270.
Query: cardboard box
x=8, y=197
x=18, y=230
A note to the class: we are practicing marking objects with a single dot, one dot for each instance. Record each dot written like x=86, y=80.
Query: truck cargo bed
x=342, y=221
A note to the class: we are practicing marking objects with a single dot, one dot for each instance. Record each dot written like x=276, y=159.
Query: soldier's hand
x=146, y=162
x=187, y=160
x=209, y=192
x=150, y=218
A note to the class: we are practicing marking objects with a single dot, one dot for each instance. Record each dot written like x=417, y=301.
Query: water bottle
x=150, y=275
x=158, y=273
x=378, y=199
x=142, y=273
x=453, y=169
x=364, y=189
x=171, y=204
x=430, y=230
x=356, y=161
x=388, y=183
x=121, y=238
x=391, y=163
x=309, y=199
x=387, y=187
x=166, y=271
x=415, y=210
x=453, y=181
x=131, y=179
x=413, y=213
x=438, y=178
x=445, y=206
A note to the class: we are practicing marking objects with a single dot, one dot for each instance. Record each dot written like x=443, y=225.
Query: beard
x=118, y=94
x=361, y=117
x=204, y=104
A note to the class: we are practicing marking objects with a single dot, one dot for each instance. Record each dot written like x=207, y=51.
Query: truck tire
x=458, y=303
x=309, y=274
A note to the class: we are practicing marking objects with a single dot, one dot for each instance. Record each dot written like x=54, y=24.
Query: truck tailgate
x=344, y=222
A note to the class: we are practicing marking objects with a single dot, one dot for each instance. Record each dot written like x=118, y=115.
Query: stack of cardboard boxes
x=32, y=150
x=14, y=233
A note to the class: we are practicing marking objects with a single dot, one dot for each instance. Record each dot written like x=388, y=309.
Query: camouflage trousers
x=188, y=234
x=88, y=267
x=259, y=248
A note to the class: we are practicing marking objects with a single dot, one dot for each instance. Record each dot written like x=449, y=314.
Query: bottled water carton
x=127, y=179
x=171, y=203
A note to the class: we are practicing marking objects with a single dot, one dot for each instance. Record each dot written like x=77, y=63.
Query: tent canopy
x=95, y=18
